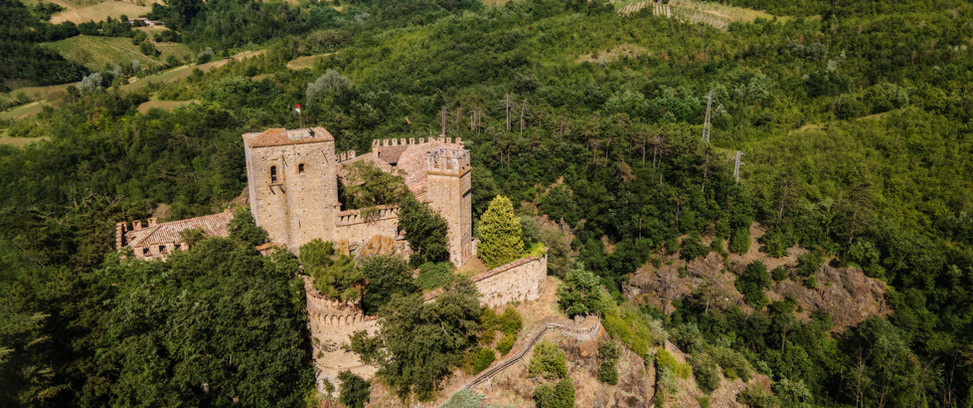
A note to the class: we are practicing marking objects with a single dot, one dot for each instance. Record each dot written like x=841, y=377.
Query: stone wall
x=332, y=323
x=519, y=280
x=357, y=229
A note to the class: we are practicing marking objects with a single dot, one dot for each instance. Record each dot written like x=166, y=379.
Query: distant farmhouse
x=144, y=22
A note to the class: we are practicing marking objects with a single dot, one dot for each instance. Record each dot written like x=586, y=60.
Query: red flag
x=298, y=109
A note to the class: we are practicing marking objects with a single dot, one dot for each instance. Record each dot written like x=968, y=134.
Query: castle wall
x=332, y=324
x=356, y=228
x=519, y=280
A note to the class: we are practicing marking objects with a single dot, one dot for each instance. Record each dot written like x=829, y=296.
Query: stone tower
x=292, y=181
x=448, y=192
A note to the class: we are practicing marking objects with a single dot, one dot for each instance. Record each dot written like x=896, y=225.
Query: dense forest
x=854, y=118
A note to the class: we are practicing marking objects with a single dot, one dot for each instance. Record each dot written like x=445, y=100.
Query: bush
x=665, y=360
x=243, y=229
x=478, y=360
x=434, y=275
x=464, y=398
x=809, y=263
x=704, y=370
x=559, y=396
x=734, y=364
x=506, y=343
x=751, y=284
x=779, y=274
x=354, y=390
x=548, y=361
x=693, y=248
x=608, y=371
x=740, y=241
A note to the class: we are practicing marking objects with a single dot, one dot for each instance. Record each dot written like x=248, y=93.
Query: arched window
x=273, y=174
x=300, y=168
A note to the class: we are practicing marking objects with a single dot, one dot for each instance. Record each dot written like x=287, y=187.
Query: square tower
x=293, y=184
x=448, y=192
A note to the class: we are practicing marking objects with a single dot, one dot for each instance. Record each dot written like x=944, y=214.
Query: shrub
x=808, y=263
x=751, y=284
x=693, y=248
x=548, y=361
x=733, y=363
x=580, y=293
x=704, y=370
x=506, y=343
x=559, y=396
x=665, y=361
x=354, y=390
x=740, y=241
x=779, y=274
x=478, y=360
x=434, y=275
x=464, y=398
x=608, y=371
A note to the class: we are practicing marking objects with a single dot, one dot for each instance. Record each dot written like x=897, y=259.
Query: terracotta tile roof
x=345, y=166
x=168, y=232
x=281, y=136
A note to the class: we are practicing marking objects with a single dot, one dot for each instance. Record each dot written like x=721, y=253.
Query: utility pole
x=736, y=167
x=706, y=122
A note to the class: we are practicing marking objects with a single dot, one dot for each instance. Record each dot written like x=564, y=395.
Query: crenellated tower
x=448, y=192
x=293, y=184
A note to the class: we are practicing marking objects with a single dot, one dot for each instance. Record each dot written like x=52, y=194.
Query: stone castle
x=292, y=185
x=293, y=180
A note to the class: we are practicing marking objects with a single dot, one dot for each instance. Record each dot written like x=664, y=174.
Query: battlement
x=332, y=312
x=413, y=141
x=352, y=217
x=448, y=160
x=122, y=229
x=345, y=156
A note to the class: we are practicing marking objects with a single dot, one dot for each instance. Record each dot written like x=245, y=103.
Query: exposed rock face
x=845, y=293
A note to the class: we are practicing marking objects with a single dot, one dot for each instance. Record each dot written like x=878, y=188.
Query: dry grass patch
x=166, y=105
x=619, y=51
x=101, y=11
x=306, y=62
x=19, y=141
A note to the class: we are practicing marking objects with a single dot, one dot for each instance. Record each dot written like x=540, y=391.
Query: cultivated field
x=714, y=14
x=96, y=52
x=101, y=11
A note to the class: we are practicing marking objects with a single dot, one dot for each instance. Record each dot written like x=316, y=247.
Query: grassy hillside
x=96, y=52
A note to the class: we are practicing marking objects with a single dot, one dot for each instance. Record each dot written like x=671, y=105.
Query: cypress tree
x=500, y=235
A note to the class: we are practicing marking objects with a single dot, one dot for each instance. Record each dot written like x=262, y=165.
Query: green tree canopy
x=334, y=275
x=385, y=276
x=424, y=229
x=420, y=343
x=580, y=293
x=368, y=186
x=500, y=235
x=242, y=228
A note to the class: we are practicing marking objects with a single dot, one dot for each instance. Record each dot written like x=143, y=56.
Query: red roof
x=281, y=137
x=168, y=232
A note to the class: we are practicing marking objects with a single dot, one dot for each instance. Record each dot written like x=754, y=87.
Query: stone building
x=156, y=241
x=293, y=178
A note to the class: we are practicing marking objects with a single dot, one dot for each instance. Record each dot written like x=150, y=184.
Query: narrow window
x=273, y=174
x=145, y=252
x=177, y=247
x=162, y=249
x=300, y=168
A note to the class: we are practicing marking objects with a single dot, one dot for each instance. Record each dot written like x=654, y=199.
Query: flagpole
x=300, y=115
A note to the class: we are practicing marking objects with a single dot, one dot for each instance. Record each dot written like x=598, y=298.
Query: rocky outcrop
x=845, y=293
